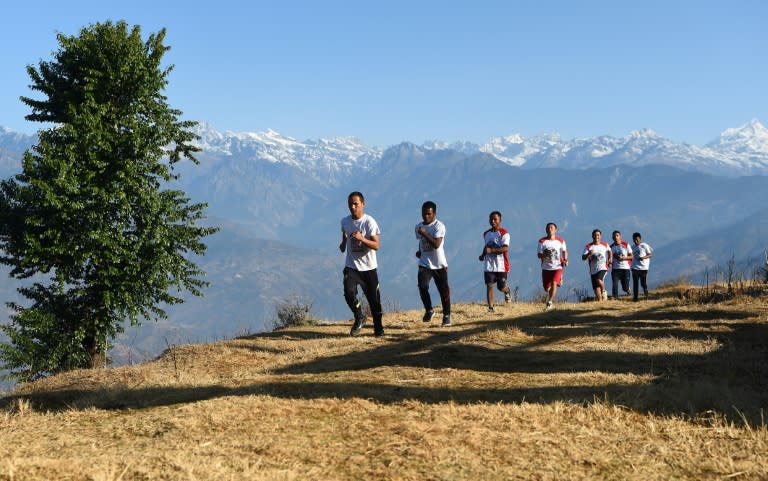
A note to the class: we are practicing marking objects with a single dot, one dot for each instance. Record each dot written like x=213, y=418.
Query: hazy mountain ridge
x=703, y=257
x=12, y=147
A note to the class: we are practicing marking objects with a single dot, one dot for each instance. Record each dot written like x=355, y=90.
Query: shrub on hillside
x=761, y=271
x=292, y=312
x=725, y=284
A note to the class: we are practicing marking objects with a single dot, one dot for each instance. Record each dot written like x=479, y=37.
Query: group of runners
x=621, y=259
x=360, y=239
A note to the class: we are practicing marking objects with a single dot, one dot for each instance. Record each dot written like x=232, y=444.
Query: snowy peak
x=460, y=146
x=273, y=143
x=751, y=137
x=214, y=141
x=328, y=160
x=15, y=141
x=644, y=134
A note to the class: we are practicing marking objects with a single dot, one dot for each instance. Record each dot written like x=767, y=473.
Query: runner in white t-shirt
x=598, y=254
x=432, y=262
x=360, y=240
x=641, y=263
x=622, y=260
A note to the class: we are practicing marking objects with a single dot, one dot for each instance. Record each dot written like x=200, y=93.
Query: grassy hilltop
x=669, y=388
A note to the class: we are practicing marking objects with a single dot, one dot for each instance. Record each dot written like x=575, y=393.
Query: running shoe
x=359, y=323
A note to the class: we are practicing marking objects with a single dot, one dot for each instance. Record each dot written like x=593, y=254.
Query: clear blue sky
x=417, y=70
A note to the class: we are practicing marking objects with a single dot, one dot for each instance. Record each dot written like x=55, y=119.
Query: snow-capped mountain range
x=736, y=152
x=275, y=147
x=749, y=138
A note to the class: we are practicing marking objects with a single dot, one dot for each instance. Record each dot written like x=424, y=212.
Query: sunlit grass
x=662, y=389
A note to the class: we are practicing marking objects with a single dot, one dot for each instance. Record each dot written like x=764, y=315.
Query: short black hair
x=429, y=205
x=356, y=194
x=615, y=232
x=495, y=212
x=637, y=234
x=597, y=230
x=549, y=224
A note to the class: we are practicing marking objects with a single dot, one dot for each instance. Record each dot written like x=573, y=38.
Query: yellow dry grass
x=646, y=391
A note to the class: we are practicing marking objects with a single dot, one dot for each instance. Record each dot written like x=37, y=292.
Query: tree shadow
x=139, y=398
x=293, y=335
x=650, y=323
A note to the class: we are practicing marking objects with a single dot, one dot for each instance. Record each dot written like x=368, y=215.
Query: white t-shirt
x=620, y=249
x=598, y=256
x=359, y=256
x=555, y=249
x=639, y=250
x=496, y=239
x=432, y=258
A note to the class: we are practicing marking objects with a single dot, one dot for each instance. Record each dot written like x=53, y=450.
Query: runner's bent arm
x=372, y=243
x=496, y=250
x=436, y=242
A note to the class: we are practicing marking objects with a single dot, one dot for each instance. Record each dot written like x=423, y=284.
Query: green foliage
x=293, y=312
x=89, y=208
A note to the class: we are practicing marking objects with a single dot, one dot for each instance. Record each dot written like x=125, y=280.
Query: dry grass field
x=661, y=389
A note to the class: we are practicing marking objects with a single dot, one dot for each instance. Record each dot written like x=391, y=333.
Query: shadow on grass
x=139, y=398
x=729, y=381
x=292, y=334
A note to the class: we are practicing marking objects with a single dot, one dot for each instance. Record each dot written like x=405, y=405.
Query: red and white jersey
x=554, y=250
x=620, y=249
x=496, y=239
x=598, y=256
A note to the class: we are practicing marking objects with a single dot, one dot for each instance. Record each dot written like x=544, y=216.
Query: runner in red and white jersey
x=494, y=257
x=598, y=254
x=553, y=254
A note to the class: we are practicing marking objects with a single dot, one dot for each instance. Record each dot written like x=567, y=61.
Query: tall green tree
x=91, y=213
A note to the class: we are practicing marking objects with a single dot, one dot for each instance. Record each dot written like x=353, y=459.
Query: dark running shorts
x=498, y=278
